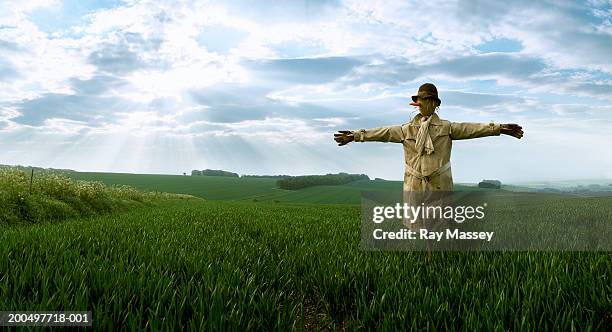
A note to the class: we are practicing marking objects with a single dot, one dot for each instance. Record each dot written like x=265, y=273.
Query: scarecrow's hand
x=512, y=129
x=344, y=137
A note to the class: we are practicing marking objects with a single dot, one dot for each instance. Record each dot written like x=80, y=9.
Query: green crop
x=214, y=265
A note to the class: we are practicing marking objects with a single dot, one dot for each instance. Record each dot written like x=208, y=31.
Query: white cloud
x=14, y=11
x=144, y=69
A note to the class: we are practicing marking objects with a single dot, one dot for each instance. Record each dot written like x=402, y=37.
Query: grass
x=52, y=196
x=215, y=265
x=264, y=262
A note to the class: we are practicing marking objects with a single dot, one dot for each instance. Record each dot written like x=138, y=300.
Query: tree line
x=214, y=172
x=304, y=181
x=491, y=184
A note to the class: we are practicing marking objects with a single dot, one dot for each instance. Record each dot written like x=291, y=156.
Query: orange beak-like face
x=425, y=111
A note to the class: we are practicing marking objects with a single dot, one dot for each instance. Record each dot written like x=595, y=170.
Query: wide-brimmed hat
x=427, y=90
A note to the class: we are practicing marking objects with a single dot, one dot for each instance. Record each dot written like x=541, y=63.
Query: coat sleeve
x=381, y=134
x=465, y=130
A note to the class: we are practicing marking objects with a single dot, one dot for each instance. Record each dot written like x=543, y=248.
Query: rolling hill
x=255, y=189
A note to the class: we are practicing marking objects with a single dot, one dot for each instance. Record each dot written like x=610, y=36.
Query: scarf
x=423, y=139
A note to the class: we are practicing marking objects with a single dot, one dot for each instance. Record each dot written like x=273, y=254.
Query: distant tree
x=491, y=184
x=214, y=172
x=299, y=182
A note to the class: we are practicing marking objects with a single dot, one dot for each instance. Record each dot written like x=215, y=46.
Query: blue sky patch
x=500, y=45
x=70, y=13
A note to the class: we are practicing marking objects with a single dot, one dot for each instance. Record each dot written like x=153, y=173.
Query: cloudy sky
x=259, y=87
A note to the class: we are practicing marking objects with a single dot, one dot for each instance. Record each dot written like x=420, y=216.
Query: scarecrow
x=427, y=141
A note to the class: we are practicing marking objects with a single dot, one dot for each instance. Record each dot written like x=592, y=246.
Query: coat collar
x=435, y=119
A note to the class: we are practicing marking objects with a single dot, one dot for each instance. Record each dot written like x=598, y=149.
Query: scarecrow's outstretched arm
x=465, y=130
x=380, y=134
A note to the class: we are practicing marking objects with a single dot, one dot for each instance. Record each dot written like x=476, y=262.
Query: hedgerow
x=50, y=196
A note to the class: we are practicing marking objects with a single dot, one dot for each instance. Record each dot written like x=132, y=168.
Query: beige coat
x=428, y=172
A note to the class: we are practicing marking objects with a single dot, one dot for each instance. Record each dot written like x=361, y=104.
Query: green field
x=230, y=188
x=245, y=265
x=261, y=261
x=209, y=187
